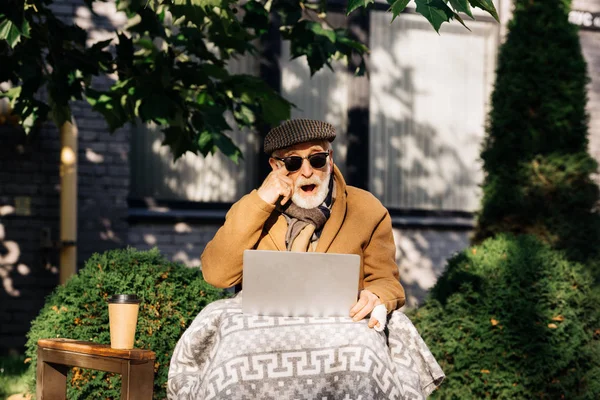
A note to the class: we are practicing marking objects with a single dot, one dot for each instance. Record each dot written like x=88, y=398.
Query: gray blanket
x=225, y=354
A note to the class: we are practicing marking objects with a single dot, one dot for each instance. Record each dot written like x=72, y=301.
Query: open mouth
x=308, y=188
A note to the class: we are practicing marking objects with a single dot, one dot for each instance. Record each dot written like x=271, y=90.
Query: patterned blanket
x=225, y=354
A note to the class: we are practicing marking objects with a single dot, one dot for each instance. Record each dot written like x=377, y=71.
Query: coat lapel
x=277, y=233
x=338, y=214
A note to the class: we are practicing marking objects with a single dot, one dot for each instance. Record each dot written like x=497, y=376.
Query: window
x=428, y=104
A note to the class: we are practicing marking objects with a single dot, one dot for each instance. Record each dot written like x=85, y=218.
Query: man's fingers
x=362, y=313
x=373, y=322
x=363, y=301
x=286, y=180
x=287, y=191
x=275, y=186
x=364, y=306
x=280, y=186
x=285, y=199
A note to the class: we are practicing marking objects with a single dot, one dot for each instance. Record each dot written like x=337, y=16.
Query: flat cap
x=297, y=131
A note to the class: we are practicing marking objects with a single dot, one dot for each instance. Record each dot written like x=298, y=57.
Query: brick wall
x=179, y=241
x=28, y=174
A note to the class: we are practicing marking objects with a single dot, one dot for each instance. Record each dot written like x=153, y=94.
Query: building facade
x=410, y=133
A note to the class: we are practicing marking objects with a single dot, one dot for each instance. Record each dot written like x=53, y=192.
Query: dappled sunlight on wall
x=93, y=157
x=183, y=257
x=324, y=96
x=421, y=256
x=10, y=254
x=199, y=178
x=427, y=111
x=213, y=178
x=108, y=233
x=180, y=241
x=149, y=239
x=101, y=26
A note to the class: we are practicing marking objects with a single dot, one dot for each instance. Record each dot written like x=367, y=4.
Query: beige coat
x=359, y=224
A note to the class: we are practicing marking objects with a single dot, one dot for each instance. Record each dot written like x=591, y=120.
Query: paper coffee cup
x=122, y=317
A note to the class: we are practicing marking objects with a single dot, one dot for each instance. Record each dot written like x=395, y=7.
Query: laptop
x=294, y=284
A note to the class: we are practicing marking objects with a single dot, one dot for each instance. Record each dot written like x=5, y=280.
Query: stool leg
x=137, y=381
x=51, y=383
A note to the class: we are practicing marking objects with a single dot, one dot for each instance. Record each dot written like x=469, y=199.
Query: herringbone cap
x=297, y=131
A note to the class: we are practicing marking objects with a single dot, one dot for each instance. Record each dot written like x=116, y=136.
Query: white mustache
x=315, y=180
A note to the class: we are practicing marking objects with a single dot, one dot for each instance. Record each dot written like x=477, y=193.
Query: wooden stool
x=56, y=356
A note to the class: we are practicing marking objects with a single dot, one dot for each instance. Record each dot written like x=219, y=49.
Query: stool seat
x=56, y=356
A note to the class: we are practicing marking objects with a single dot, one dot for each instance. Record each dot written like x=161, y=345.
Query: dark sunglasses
x=294, y=163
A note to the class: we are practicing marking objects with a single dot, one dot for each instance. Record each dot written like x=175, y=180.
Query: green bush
x=514, y=319
x=172, y=295
x=535, y=155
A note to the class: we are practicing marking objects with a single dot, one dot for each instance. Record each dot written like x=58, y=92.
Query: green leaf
x=459, y=19
x=436, y=12
x=25, y=28
x=109, y=107
x=319, y=30
x=245, y=114
x=256, y=17
x=206, y=3
x=227, y=147
x=102, y=44
x=462, y=6
x=12, y=94
x=275, y=109
x=397, y=7
x=125, y=53
x=178, y=140
x=354, y=4
x=355, y=45
x=59, y=113
x=214, y=71
x=214, y=120
x=10, y=32
x=486, y=5
x=204, y=141
x=156, y=106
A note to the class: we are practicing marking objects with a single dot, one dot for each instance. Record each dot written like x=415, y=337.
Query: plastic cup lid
x=124, y=299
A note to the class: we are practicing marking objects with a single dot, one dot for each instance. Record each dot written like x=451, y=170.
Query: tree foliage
x=538, y=169
x=170, y=62
x=513, y=318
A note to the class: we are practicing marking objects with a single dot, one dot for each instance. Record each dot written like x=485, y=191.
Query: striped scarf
x=305, y=225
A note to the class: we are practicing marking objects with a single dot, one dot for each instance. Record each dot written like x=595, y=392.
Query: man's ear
x=331, y=159
x=275, y=164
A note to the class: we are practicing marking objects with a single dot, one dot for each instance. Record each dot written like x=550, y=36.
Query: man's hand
x=277, y=184
x=367, y=301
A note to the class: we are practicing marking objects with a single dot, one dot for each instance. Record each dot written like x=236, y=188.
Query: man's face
x=311, y=184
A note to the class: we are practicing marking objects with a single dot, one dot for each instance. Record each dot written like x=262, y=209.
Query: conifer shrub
x=513, y=318
x=171, y=296
x=535, y=155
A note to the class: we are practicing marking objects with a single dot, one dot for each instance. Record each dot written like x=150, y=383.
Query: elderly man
x=304, y=204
